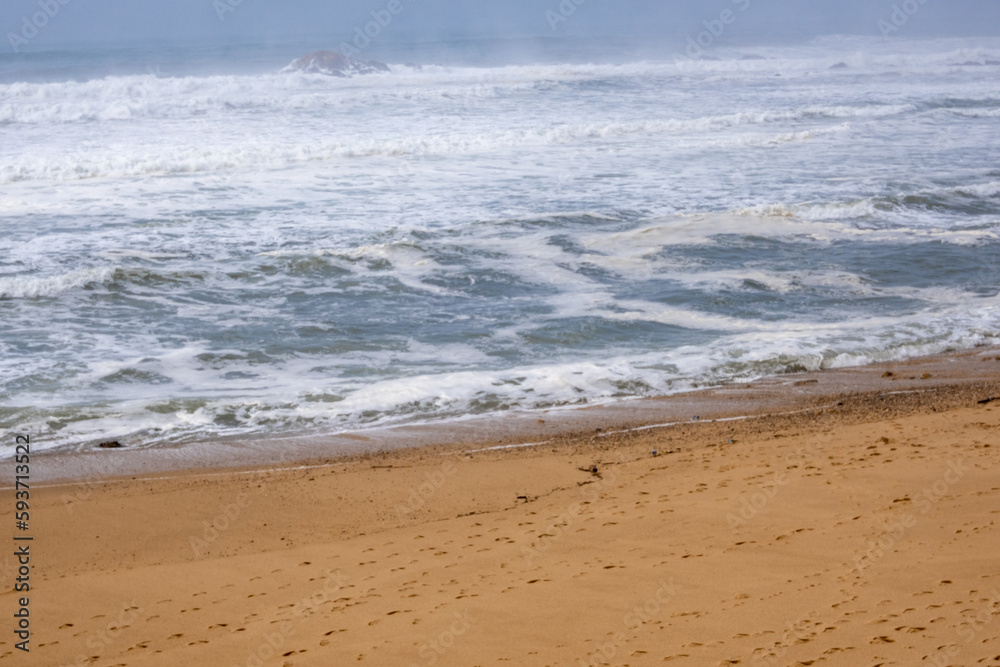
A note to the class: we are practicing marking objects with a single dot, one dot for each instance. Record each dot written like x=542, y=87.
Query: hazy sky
x=332, y=21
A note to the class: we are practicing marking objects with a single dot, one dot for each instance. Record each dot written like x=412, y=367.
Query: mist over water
x=197, y=245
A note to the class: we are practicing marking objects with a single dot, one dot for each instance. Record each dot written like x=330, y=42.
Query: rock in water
x=334, y=64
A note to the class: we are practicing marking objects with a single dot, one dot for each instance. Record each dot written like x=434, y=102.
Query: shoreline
x=861, y=532
x=789, y=393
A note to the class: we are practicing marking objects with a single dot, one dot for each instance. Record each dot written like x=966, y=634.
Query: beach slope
x=859, y=534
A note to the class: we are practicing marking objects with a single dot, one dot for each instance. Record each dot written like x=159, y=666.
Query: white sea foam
x=985, y=190
x=32, y=287
x=131, y=98
x=976, y=113
x=738, y=356
x=274, y=148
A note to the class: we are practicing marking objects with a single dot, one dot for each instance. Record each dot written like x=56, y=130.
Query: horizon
x=39, y=26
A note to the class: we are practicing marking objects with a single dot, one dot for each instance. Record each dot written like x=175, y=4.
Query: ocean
x=198, y=247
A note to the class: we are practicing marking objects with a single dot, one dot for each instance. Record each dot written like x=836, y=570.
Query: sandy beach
x=845, y=522
x=532, y=334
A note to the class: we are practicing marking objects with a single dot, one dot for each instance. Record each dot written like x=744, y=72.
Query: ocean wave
x=768, y=140
x=406, y=262
x=32, y=287
x=777, y=282
x=873, y=208
x=274, y=148
x=967, y=107
x=983, y=190
x=192, y=98
x=737, y=356
x=136, y=97
x=131, y=98
x=976, y=113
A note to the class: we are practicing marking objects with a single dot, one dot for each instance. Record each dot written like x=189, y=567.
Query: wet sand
x=782, y=393
x=844, y=518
